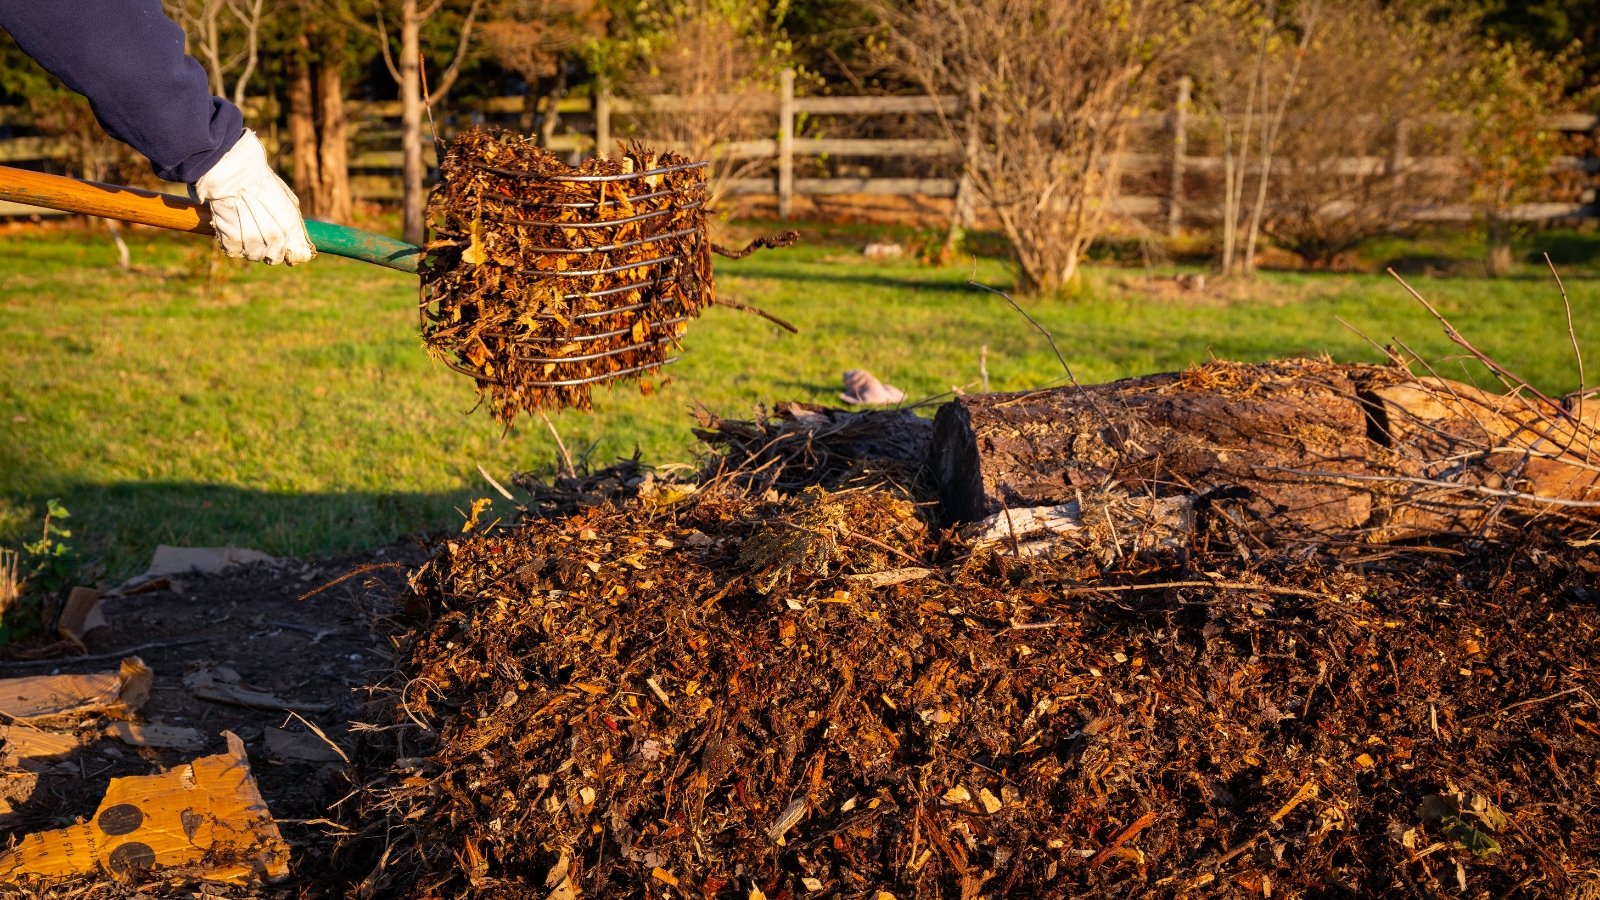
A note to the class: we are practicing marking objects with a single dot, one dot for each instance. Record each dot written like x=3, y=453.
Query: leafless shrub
x=1054, y=85
x=225, y=36
x=703, y=75
x=1364, y=144
x=537, y=39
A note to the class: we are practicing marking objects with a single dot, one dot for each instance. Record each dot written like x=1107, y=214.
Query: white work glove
x=255, y=214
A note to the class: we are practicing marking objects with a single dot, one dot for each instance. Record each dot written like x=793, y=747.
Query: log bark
x=1308, y=446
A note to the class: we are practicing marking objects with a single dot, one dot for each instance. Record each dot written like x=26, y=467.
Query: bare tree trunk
x=1271, y=127
x=337, y=204
x=1231, y=264
x=1230, y=214
x=406, y=69
x=1498, y=259
x=249, y=19
x=305, y=177
x=411, y=167
x=206, y=31
x=552, y=108
x=528, y=118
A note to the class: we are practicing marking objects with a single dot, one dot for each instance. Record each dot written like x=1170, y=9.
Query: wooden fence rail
x=594, y=122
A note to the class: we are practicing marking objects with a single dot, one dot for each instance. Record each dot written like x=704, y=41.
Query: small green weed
x=42, y=571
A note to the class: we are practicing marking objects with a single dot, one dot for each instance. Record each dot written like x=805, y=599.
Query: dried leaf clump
x=544, y=280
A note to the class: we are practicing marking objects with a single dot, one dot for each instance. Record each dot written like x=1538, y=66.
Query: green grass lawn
x=294, y=411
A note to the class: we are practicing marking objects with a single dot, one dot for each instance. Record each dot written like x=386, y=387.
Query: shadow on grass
x=117, y=526
x=948, y=280
x=1566, y=248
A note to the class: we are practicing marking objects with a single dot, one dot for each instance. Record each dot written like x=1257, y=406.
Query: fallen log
x=1304, y=445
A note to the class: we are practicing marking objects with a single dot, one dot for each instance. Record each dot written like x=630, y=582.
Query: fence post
x=1402, y=146
x=1180, y=150
x=963, y=211
x=602, y=117
x=786, y=144
x=966, y=209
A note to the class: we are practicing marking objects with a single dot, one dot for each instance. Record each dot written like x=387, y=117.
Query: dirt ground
x=317, y=654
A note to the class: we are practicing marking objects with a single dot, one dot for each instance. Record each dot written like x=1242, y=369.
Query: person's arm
x=128, y=59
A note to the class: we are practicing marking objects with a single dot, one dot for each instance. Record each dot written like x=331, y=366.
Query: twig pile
x=545, y=280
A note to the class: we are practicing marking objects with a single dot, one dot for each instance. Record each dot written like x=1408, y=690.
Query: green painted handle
x=353, y=243
x=182, y=214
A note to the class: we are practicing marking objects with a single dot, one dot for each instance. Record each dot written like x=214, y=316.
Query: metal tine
x=606, y=223
x=619, y=289
x=570, y=382
x=609, y=270
x=579, y=338
x=602, y=313
x=592, y=379
x=594, y=179
x=586, y=205
x=606, y=248
x=599, y=354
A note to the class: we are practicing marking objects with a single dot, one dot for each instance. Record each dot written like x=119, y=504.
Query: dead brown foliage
x=544, y=280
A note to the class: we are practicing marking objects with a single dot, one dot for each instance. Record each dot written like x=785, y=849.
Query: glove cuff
x=234, y=172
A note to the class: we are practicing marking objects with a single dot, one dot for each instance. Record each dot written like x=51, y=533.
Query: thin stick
x=882, y=546
x=495, y=484
x=561, y=446
x=765, y=242
x=745, y=307
x=1035, y=323
x=319, y=733
x=1577, y=352
x=1460, y=340
x=1520, y=703
x=1572, y=334
x=358, y=570
x=427, y=103
x=1479, y=490
x=99, y=657
x=1219, y=585
x=983, y=366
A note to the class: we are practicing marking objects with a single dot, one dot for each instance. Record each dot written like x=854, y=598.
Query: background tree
x=398, y=26
x=314, y=54
x=540, y=40
x=1509, y=93
x=224, y=35
x=1355, y=152
x=1055, y=83
x=1568, y=28
x=719, y=61
x=831, y=40
x=1246, y=64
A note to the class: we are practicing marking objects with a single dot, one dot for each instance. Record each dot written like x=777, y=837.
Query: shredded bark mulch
x=771, y=685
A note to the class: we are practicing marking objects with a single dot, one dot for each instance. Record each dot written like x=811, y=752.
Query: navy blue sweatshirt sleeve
x=127, y=57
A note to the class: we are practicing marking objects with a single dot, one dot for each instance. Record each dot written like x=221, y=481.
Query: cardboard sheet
x=21, y=744
x=206, y=817
x=40, y=699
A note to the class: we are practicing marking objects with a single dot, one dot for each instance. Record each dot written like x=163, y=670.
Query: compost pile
x=733, y=689
x=545, y=280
